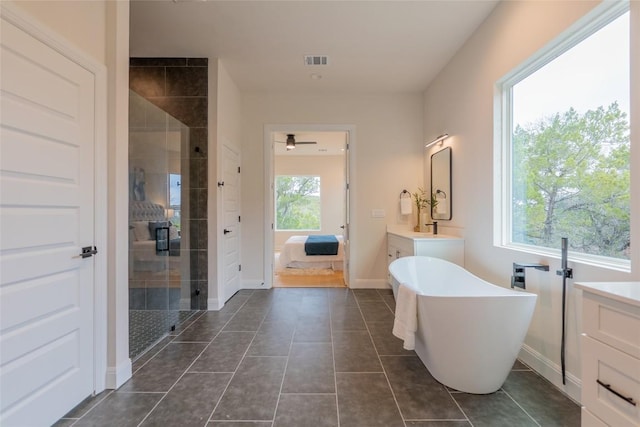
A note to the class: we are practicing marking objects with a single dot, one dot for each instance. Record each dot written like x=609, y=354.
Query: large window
x=297, y=202
x=566, y=137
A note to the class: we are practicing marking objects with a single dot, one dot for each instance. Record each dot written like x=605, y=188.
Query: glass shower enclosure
x=160, y=291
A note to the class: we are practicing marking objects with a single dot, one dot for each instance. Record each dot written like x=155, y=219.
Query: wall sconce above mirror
x=438, y=139
x=441, y=184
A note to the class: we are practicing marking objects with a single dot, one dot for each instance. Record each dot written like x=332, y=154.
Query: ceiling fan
x=291, y=142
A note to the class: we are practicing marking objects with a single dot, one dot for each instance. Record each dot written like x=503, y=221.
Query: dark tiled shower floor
x=307, y=357
x=148, y=326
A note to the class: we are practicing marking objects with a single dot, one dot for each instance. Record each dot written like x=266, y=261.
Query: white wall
x=387, y=150
x=117, y=53
x=460, y=102
x=330, y=169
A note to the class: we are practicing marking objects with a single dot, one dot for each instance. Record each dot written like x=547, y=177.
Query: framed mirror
x=441, y=184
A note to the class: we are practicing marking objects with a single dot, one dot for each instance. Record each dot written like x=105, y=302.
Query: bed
x=293, y=255
x=153, y=238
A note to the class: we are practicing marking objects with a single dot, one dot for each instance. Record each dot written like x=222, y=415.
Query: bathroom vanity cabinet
x=610, y=353
x=401, y=244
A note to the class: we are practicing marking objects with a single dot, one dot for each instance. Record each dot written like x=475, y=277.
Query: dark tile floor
x=307, y=357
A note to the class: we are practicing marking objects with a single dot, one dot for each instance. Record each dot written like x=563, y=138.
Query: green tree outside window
x=571, y=177
x=297, y=202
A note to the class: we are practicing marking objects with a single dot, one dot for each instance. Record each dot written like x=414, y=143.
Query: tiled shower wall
x=179, y=86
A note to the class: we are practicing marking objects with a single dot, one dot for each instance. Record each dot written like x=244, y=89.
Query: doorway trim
x=269, y=160
x=33, y=27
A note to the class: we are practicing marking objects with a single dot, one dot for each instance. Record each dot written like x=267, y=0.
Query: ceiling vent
x=315, y=60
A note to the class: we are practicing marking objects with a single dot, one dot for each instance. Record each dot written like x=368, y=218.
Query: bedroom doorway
x=309, y=194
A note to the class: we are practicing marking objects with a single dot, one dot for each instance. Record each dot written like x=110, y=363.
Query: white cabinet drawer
x=450, y=250
x=402, y=244
x=590, y=420
x=612, y=322
x=605, y=372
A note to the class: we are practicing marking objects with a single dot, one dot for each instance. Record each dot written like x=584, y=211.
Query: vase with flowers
x=422, y=201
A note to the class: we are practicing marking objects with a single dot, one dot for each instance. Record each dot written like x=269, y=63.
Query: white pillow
x=141, y=230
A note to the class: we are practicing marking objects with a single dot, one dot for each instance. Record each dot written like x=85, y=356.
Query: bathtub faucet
x=435, y=227
x=518, y=278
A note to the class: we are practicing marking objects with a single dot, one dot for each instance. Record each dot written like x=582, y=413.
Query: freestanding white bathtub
x=469, y=330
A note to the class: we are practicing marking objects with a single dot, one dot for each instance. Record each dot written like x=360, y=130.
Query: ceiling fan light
x=291, y=142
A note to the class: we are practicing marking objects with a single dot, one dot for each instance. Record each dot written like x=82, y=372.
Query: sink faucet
x=435, y=227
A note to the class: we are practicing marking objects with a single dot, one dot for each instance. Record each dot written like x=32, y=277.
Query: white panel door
x=231, y=219
x=46, y=216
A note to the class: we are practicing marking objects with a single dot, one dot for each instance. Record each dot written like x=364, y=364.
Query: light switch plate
x=378, y=213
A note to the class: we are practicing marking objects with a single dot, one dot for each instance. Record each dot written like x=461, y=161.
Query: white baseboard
x=552, y=372
x=118, y=375
x=255, y=284
x=369, y=284
x=214, y=304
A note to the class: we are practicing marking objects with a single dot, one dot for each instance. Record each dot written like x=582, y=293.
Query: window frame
x=598, y=18
x=275, y=203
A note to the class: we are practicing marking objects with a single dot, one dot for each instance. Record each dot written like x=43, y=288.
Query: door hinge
x=239, y=267
x=238, y=169
x=238, y=218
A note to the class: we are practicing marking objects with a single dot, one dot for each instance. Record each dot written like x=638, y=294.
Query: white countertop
x=628, y=292
x=420, y=236
x=423, y=236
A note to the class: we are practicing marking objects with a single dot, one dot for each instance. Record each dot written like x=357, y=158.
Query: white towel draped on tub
x=406, y=321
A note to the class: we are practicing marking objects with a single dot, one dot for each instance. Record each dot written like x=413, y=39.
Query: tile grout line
x=385, y=301
x=380, y=361
x=90, y=409
x=308, y=393
x=172, y=339
x=333, y=358
x=284, y=373
x=404, y=421
x=457, y=404
x=244, y=355
x=518, y=405
x=188, y=367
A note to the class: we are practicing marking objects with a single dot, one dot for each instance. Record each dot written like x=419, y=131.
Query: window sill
x=608, y=263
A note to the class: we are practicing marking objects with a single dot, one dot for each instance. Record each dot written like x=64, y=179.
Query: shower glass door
x=159, y=257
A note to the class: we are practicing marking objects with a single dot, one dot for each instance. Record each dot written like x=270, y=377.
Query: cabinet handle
x=625, y=398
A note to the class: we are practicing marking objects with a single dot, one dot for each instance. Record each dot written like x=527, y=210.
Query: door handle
x=226, y=231
x=87, y=251
x=342, y=226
